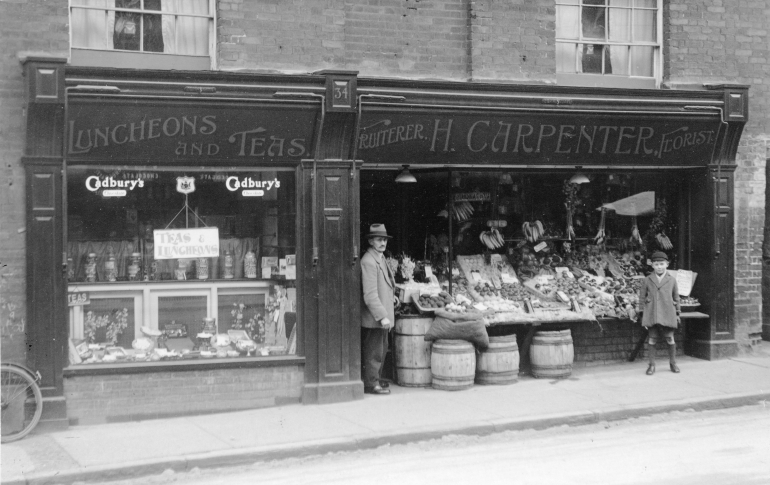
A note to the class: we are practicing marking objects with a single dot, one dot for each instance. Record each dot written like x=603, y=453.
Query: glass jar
x=181, y=270
x=134, y=267
x=91, y=267
x=250, y=265
x=229, y=267
x=202, y=268
x=110, y=268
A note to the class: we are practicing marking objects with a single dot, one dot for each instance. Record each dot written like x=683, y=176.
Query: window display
x=526, y=247
x=172, y=264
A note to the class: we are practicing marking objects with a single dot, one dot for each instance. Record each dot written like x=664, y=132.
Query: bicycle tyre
x=17, y=388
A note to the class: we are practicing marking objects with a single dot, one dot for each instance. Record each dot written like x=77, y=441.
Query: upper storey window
x=160, y=34
x=608, y=42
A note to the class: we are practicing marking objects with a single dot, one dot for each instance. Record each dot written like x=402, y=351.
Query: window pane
x=243, y=312
x=645, y=26
x=109, y=321
x=569, y=2
x=594, y=2
x=152, y=4
x=618, y=60
x=620, y=24
x=642, y=58
x=620, y=3
x=89, y=28
x=200, y=7
x=567, y=25
x=593, y=23
x=186, y=35
x=592, y=58
x=128, y=31
x=565, y=57
x=646, y=3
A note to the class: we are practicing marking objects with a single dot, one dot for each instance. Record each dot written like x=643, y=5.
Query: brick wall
x=402, y=38
x=32, y=26
x=614, y=341
x=513, y=40
x=716, y=41
x=94, y=399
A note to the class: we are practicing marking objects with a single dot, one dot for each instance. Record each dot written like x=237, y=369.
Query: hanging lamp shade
x=404, y=177
x=579, y=178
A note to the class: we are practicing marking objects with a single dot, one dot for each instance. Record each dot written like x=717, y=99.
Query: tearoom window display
x=196, y=263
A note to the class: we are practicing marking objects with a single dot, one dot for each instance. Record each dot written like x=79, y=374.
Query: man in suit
x=377, y=312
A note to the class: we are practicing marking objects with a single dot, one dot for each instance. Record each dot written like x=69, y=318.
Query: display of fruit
x=436, y=301
x=462, y=210
x=492, y=238
x=569, y=286
x=688, y=301
x=486, y=292
x=514, y=292
x=533, y=231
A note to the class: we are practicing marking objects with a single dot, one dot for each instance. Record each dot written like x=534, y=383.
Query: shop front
x=541, y=208
x=194, y=239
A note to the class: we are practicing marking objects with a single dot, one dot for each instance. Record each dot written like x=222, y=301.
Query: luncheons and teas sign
x=535, y=138
x=178, y=133
x=186, y=243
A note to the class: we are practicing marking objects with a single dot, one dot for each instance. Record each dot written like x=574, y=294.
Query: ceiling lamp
x=579, y=178
x=405, y=177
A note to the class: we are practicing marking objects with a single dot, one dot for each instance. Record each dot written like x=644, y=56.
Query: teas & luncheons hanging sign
x=202, y=242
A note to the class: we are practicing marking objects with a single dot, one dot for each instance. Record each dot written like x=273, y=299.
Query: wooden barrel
x=412, y=351
x=499, y=364
x=452, y=365
x=551, y=354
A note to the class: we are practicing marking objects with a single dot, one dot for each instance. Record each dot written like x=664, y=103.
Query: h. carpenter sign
x=584, y=139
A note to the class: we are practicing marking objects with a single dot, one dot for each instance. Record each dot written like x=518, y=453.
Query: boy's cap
x=659, y=256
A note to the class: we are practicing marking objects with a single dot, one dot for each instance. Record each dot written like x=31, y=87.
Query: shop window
x=194, y=264
x=608, y=42
x=500, y=241
x=160, y=34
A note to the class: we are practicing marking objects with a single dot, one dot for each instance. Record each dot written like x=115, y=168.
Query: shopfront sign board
x=511, y=138
x=181, y=133
x=186, y=243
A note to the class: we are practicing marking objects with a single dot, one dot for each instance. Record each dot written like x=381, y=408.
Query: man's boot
x=651, y=356
x=672, y=358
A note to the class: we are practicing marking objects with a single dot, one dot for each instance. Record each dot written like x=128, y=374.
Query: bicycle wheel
x=21, y=401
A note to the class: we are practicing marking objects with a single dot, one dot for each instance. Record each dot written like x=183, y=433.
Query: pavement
x=591, y=394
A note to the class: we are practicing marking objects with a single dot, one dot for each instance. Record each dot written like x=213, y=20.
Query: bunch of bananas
x=492, y=238
x=462, y=210
x=532, y=230
x=664, y=241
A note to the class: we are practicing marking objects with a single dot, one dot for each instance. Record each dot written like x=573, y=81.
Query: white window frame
x=80, y=56
x=612, y=80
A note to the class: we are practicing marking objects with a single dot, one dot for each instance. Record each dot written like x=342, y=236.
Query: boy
x=659, y=298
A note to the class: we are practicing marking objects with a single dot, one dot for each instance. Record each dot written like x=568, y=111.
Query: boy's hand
x=678, y=320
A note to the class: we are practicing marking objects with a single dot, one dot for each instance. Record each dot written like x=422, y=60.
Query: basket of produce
x=688, y=303
x=429, y=304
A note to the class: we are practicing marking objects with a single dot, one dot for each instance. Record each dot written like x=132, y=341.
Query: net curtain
x=93, y=29
x=625, y=60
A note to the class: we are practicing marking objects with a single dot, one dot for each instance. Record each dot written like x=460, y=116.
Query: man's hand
x=385, y=322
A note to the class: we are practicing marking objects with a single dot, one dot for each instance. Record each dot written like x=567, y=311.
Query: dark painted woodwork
x=712, y=230
x=46, y=285
x=331, y=308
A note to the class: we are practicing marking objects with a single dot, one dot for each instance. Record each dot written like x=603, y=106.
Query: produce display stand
x=686, y=317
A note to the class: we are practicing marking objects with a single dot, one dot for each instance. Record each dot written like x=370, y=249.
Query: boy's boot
x=651, y=355
x=672, y=358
